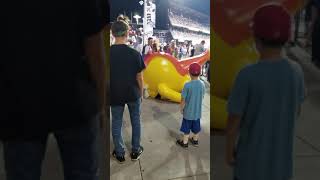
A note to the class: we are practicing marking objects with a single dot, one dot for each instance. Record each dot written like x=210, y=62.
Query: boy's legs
x=135, y=115
x=79, y=151
x=196, y=128
x=185, y=128
x=185, y=138
x=23, y=159
x=117, y=120
x=195, y=137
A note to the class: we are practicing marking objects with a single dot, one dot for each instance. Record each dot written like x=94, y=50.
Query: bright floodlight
x=141, y=3
x=137, y=17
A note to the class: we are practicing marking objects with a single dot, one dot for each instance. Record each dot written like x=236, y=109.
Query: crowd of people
x=187, y=22
x=183, y=9
x=179, y=50
x=183, y=16
x=185, y=35
x=180, y=47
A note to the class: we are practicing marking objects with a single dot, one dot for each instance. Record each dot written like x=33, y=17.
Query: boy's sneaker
x=120, y=159
x=136, y=155
x=180, y=143
x=194, y=142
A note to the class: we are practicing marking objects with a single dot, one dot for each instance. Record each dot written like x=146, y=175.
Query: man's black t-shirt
x=45, y=84
x=125, y=64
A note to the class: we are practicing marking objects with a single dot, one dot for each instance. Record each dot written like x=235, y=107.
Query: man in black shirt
x=52, y=80
x=126, y=66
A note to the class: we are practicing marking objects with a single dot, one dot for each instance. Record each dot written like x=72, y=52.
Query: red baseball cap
x=195, y=69
x=272, y=23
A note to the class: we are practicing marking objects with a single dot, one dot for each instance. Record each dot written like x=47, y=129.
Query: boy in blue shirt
x=264, y=104
x=191, y=103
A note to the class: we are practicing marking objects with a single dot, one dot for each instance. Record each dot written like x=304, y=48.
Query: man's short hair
x=119, y=28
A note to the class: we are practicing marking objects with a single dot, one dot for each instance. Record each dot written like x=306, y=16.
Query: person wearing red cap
x=264, y=104
x=191, y=107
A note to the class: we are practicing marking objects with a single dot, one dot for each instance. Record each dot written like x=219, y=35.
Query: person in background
x=122, y=17
x=168, y=48
x=184, y=51
x=147, y=49
x=315, y=32
x=53, y=81
x=192, y=50
x=155, y=46
x=138, y=45
x=264, y=104
x=126, y=86
x=307, y=20
x=199, y=48
x=165, y=47
x=175, y=50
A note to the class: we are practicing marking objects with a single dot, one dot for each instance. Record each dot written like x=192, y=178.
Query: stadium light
x=141, y=3
x=137, y=17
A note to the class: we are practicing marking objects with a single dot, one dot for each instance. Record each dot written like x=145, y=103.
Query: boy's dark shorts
x=193, y=125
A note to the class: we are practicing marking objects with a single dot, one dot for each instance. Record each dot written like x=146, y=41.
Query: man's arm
x=95, y=52
x=140, y=82
x=231, y=136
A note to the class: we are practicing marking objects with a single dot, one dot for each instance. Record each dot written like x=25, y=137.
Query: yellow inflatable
x=233, y=48
x=165, y=76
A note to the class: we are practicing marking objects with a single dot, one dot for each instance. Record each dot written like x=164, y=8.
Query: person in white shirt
x=138, y=45
x=148, y=48
x=199, y=48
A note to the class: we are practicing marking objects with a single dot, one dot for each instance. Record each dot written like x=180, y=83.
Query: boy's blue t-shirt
x=193, y=93
x=267, y=95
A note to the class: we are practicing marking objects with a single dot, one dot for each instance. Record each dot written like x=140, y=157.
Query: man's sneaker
x=180, y=143
x=194, y=142
x=136, y=155
x=120, y=159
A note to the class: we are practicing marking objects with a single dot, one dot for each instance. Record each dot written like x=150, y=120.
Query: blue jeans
x=78, y=150
x=117, y=121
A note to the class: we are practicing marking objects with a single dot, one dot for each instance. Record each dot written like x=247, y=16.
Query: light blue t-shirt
x=267, y=95
x=193, y=93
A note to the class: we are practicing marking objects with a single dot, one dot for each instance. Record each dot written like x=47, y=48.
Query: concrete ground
x=52, y=167
x=307, y=140
x=162, y=158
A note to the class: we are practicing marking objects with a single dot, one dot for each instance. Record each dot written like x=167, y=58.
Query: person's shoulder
x=113, y=48
x=188, y=84
x=248, y=69
x=295, y=66
x=132, y=51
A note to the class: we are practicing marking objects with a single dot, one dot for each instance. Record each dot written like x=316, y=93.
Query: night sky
x=119, y=6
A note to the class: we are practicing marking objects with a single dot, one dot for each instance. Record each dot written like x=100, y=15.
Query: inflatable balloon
x=165, y=76
x=233, y=47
